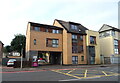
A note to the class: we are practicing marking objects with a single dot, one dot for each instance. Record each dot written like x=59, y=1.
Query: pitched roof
x=107, y=29
x=44, y=25
x=1, y=42
x=67, y=26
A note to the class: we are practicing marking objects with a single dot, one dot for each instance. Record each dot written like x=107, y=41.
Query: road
x=68, y=74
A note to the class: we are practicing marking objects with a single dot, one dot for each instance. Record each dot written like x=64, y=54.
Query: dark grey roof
x=44, y=25
x=67, y=26
x=1, y=42
x=112, y=28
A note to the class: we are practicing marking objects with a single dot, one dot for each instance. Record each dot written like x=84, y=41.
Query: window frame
x=116, y=48
x=35, y=41
x=93, y=40
x=55, y=31
x=82, y=58
x=37, y=28
x=74, y=36
x=74, y=27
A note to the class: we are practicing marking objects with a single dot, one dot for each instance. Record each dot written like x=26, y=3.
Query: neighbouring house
x=93, y=47
x=62, y=43
x=1, y=51
x=110, y=43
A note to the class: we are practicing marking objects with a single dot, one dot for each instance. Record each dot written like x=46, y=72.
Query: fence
x=25, y=64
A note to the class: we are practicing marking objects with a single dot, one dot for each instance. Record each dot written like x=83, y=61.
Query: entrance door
x=92, y=60
x=74, y=59
x=92, y=54
x=55, y=58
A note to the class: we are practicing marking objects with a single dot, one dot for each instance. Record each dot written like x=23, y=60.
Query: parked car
x=41, y=61
x=11, y=62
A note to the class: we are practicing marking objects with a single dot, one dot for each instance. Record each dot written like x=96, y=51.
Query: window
x=115, y=42
x=82, y=58
x=81, y=37
x=55, y=31
x=74, y=27
x=55, y=43
x=46, y=30
x=74, y=36
x=51, y=42
x=74, y=49
x=34, y=41
x=80, y=49
x=36, y=28
x=113, y=33
x=74, y=59
x=92, y=40
x=116, y=46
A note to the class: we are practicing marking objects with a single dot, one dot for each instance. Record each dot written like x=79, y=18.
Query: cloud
x=91, y=13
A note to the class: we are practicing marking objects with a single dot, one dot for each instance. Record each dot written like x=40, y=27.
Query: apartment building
x=44, y=41
x=93, y=47
x=74, y=42
x=110, y=43
x=62, y=43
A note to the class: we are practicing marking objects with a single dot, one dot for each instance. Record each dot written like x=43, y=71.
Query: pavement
x=52, y=67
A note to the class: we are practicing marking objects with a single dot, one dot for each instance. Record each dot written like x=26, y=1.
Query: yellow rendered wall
x=106, y=46
x=97, y=45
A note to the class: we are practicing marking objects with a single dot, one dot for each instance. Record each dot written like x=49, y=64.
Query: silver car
x=11, y=62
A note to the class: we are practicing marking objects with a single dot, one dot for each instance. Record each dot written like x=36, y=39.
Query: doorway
x=92, y=54
x=55, y=58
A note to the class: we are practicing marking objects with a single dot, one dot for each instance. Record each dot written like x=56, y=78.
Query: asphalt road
x=75, y=74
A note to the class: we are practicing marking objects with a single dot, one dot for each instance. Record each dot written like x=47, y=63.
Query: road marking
x=92, y=77
x=104, y=73
x=85, y=75
x=22, y=71
x=67, y=74
x=78, y=79
x=71, y=71
x=77, y=74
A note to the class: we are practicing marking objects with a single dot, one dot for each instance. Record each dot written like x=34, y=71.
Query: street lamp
x=21, y=56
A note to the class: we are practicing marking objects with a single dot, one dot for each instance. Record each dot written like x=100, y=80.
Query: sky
x=15, y=14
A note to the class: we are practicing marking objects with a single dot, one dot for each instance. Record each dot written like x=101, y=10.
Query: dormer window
x=74, y=27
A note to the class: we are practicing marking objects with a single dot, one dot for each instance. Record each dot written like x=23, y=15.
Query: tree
x=7, y=49
x=18, y=43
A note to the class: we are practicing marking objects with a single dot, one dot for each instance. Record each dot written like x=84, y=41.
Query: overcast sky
x=15, y=14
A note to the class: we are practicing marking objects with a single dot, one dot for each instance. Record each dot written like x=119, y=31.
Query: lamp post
x=21, y=56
